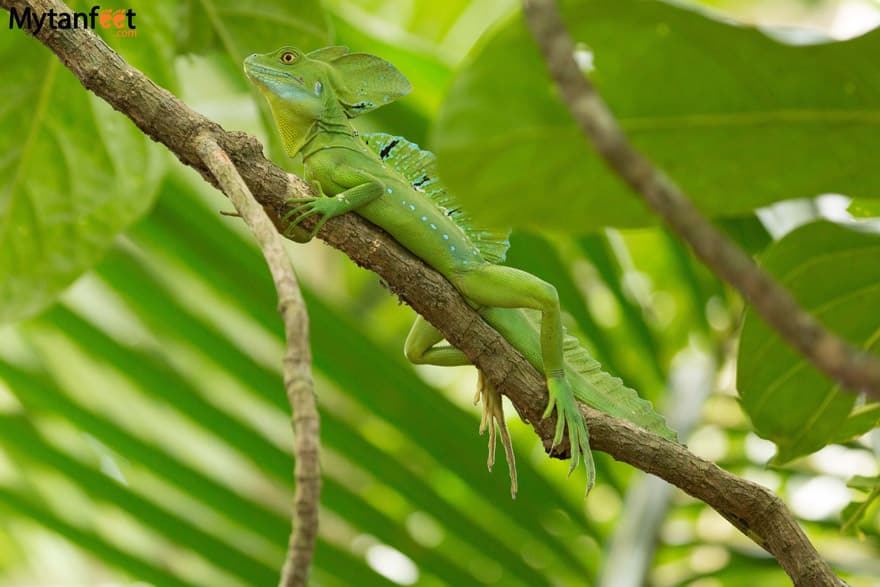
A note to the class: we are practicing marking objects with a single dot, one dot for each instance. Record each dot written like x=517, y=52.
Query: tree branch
x=753, y=509
x=855, y=369
x=297, y=362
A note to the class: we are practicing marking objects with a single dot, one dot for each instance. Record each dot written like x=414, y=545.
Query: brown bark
x=298, y=381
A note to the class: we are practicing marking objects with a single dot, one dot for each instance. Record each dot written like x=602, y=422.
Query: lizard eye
x=288, y=57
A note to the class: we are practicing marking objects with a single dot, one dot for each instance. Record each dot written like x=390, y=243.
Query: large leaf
x=448, y=28
x=18, y=434
x=73, y=174
x=239, y=28
x=834, y=272
x=17, y=503
x=152, y=48
x=399, y=449
x=600, y=253
x=737, y=119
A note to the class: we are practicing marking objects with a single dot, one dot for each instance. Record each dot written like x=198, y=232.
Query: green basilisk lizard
x=393, y=184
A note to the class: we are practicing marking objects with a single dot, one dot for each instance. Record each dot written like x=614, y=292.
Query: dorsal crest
x=419, y=167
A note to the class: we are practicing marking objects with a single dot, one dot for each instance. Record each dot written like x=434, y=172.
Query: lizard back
x=419, y=168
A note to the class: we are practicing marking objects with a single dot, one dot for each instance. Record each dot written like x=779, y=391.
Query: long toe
x=560, y=429
x=490, y=461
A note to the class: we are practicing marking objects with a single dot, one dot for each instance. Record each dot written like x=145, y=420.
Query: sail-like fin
x=419, y=167
x=607, y=393
x=599, y=389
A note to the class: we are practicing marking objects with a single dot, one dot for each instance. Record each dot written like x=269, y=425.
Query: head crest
x=364, y=82
x=328, y=53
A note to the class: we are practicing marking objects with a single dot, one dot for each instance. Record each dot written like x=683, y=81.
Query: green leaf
x=861, y=208
x=176, y=392
x=252, y=516
x=861, y=419
x=19, y=504
x=73, y=174
x=599, y=251
x=855, y=512
x=446, y=28
x=863, y=483
x=240, y=28
x=737, y=119
x=746, y=231
x=151, y=50
x=42, y=397
x=832, y=270
x=17, y=434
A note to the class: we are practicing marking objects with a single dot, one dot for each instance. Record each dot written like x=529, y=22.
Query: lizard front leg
x=422, y=349
x=361, y=189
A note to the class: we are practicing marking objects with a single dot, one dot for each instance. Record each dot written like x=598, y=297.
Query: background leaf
x=242, y=28
x=862, y=208
x=737, y=129
x=833, y=272
x=61, y=204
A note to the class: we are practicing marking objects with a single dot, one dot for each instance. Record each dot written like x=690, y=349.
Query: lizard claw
x=327, y=208
x=492, y=417
x=302, y=200
x=302, y=204
x=569, y=416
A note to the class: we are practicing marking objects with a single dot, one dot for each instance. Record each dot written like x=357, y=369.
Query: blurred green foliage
x=833, y=272
x=144, y=433
x=738, y=119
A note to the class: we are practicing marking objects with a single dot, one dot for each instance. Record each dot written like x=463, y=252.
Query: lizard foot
x=493, y=416
x=322, y=206
x=569, y=416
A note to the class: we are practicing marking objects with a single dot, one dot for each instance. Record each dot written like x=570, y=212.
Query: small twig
x=297, y=361
x=855, y=369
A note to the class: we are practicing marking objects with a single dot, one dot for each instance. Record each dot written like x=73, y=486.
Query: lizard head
x=286, y=75
x=330, y=85
x=359, y=82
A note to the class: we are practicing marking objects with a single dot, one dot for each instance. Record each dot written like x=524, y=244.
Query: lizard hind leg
x=506, y=287
x=422, y=348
